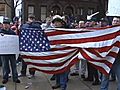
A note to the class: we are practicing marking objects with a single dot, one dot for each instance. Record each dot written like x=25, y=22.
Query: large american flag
x=97, y=45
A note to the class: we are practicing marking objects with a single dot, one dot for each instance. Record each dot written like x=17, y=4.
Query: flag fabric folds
x=99, y=46
x=36, y=52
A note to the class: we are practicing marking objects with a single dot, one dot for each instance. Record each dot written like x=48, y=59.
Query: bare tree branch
x=8, y=3
x=13, y=5
x=18, y=3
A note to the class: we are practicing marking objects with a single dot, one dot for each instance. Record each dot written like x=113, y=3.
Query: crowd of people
x=80, y=68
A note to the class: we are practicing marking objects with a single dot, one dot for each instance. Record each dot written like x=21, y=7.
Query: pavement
x=41, y=81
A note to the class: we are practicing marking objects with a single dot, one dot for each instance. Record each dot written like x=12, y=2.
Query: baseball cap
x=57, y=18
x=6, y=20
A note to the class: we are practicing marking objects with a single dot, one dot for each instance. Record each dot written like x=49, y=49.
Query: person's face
x=92, y=23
x=116, y=21
x=87, y=24
x=57, y=24
x=31, y=19
x=6, y=26
x=81, y=24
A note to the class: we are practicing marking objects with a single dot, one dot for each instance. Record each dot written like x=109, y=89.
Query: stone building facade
x=77, y=8
x=5, y=10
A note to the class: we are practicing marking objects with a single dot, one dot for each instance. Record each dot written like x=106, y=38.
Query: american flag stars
x=33, y=40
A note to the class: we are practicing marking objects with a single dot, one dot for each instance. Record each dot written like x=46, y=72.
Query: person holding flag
x=31, y=23
x=115, y=67
x=61, y=78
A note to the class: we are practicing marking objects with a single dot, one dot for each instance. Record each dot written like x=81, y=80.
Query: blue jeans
x=62, y=79
x=83, y=66
x=116, y=69
x=105, y=79
x=104, y=82
x=6, y=68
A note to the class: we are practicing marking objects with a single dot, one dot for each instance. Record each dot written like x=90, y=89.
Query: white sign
x=9, y=44
x=113, y=8
x=1, y=19
x=3, y=88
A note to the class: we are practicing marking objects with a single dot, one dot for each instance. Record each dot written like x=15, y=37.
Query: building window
x=43, y=13
x=90, y=11
x=80, y=11
x=2, y=9
x=31, y=10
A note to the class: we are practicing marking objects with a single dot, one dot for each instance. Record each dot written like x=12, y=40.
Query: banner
x=9, y=44
x=113, y=8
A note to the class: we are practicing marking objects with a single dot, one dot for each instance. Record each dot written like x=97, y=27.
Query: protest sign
x=9, y=44
x=113, y=8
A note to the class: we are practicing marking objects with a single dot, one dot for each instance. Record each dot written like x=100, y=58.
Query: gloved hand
x=2, y=34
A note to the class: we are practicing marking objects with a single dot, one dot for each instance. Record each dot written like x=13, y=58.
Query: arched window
x=56, y=9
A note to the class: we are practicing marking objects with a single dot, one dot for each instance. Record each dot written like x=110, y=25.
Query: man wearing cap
x=59, y=22
x=61, y=78
x=115, y=67
x=31, y=23
x=6, y=58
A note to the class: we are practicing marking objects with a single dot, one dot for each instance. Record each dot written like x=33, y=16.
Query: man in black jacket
x=6, y=58
x=31, y=23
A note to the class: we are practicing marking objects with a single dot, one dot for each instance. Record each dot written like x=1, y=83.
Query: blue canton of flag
x=33, y=40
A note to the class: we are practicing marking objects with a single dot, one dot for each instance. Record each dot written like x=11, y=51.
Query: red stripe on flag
x=85, y=40
x=67, y=68
x=52, y=64
x=87, y=57
x=47, y=57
